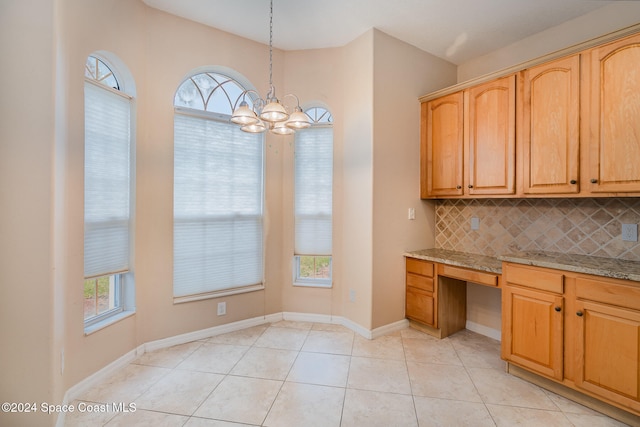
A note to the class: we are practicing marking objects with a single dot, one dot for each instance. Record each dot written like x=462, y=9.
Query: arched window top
x=95, y=69
x=319, y=115
x=211, y=92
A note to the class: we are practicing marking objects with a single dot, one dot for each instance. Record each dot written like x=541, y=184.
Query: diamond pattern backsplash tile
x=576, y=226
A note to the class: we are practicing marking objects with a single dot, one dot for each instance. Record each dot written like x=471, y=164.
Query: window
x=313, y=200
x=107, y=195
x=218, y=193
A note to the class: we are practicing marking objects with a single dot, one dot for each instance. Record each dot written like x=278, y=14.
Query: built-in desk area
x=436, y=279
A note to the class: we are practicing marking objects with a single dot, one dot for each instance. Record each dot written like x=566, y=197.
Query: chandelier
x=268, y=113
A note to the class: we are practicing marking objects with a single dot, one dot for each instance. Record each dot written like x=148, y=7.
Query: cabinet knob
x=470, y=185
x=579, y=314
x=573, y=181
x=558, y=309
x=458, y=187
x=594, y=181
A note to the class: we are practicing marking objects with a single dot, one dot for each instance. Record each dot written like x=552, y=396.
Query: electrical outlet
x=412, y=213
x=222, y=308
x=475, y=223
x=630, y=232
x=352, y=295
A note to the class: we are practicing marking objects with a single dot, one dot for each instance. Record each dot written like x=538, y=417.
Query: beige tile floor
x=310, y=374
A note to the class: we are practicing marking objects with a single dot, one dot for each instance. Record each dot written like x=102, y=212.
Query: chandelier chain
x=271, y=47
x=269, y=113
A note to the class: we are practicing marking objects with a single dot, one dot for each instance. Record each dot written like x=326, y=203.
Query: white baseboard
x=387, y=329
x=208, y=333
x=96, y=378
x=308, y=317
x=484, y=330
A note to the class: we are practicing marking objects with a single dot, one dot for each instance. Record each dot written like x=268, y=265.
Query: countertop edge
x=585, y=264
x=585, y=269
x=457, y=259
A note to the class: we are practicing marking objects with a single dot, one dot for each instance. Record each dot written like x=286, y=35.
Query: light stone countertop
x=598, y=266
x=459, y=259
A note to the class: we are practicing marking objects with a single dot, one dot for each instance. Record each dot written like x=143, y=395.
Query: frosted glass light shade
x=243, y=115
x=256, y=127
x=298, y=120
x=281, y=128
x=274, y=112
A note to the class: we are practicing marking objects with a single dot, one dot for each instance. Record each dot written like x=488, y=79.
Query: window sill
x=327, y=285
x=218, y=294
x=108, y=321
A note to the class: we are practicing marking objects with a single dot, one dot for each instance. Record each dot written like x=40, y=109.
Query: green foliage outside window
x=315, y=267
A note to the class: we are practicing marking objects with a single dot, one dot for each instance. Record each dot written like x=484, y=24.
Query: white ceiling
x=456, y=30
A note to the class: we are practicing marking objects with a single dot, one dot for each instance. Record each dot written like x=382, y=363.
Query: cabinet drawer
x=608, y=293
x=420, y=282
x=417, y=266
x=420, y=306
x=534, y=277
x=468, y=275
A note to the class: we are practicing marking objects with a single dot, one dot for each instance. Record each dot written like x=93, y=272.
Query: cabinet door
x=614, y=117
x=551, y=126
x=491, y=137
x=421, y=306
x=608, y=352
x=532, y=324
x=441, y=146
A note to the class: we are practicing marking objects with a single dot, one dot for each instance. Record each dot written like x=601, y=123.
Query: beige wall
x=357, y=189
x=615, y=16
x=396, y=166
x=26, y=205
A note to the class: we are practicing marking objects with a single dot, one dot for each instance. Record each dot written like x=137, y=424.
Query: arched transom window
x=319, y=115
x=211, y=92
x=97, y=70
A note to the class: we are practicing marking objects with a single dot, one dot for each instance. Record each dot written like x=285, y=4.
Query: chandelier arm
x=294, y=96
x=243, y=95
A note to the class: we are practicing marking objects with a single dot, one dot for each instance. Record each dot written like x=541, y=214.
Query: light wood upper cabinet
x=490, y=137
x=551, y=127
x=574, y=124
x=468, y=142
x=441, y=146
x=613, y=116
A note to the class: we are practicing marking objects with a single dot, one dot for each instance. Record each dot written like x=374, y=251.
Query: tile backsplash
x=577, y=226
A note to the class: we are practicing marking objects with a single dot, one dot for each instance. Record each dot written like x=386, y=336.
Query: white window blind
x=106, y=181
x=313, y=190
x=217, y=231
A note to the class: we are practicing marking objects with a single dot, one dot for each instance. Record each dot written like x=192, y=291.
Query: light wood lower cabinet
x=584, y=333
x=421, y=295
x=607, y=331
x=533, y=330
